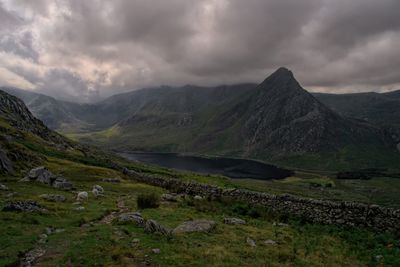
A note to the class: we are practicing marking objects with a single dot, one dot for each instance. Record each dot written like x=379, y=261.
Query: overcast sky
x=84, y=50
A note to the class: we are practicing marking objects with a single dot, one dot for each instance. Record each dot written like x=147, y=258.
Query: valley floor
x=90, y=237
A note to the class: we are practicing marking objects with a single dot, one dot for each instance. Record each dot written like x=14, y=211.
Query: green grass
x=111, y=245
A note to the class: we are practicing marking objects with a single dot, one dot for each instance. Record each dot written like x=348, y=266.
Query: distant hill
x=277, y=121
x=380, y=109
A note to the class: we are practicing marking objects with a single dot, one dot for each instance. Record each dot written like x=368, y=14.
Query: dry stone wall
x=317, y=211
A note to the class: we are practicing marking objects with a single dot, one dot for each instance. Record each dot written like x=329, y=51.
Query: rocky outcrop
x=311, y=210
x=6, y=166
x=134, y=217
x=24, y=206
x=43, y=175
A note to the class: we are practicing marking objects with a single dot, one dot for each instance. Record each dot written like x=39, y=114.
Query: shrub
x=146, y=201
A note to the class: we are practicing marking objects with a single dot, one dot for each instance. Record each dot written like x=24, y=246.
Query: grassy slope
x=299, y=244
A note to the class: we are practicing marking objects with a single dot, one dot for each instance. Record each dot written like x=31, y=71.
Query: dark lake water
x=233, y=168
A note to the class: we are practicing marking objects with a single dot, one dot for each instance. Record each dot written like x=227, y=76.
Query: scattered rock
x=152, y=226
x=3, y=187
x=197, y=197
x=111, y=180
x=234, y=221
x=29, y=259
x=195, y=226
x=82, y=196
x=169, y=197
x=59, y=230
x=62, y=183
x=135, y=217
x=53, y=197
x=136, y=240
x=156, y=250
x=49, y=230
x=251, y=242
x=24, y=206
x=270, y=242
x=80, y=208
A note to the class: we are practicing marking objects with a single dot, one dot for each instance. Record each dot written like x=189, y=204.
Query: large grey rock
x=135, y=217
x=24, y=206
x=53, y=197
x=82, y=196
x=195, y=226
x=62, y=183
x=40, y=174
x=234, y=221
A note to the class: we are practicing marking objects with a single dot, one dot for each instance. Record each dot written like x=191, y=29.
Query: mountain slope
x=56, y=114
x=276, y=120
x=381, y=109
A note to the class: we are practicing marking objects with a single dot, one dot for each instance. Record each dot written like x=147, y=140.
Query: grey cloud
x=104, y=47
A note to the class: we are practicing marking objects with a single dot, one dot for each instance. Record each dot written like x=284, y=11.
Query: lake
x=233, y=168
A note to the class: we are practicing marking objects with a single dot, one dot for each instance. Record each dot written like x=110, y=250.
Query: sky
x=87, y=50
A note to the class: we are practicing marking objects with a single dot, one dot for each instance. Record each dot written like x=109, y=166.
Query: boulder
x=152, y=226
x=24, y=206
x=62, y=183
x=135, y=217
x=99, y=188
x=251, y=242
x=156, y=250
x=40, y=174
x=197, y=198
x=195, y=226
x=53, y=197
x=234, y=221
x=82, y=196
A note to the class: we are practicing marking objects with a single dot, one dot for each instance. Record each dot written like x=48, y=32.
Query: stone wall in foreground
x=318, y=211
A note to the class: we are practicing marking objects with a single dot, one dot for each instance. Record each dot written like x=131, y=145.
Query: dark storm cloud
x=83, y=48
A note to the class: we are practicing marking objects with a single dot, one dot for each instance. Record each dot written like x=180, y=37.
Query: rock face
x=5, y=163
x=234, y=221
x=18, y=115
x=43, y=175
x=195, y=226
x=24, y=206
